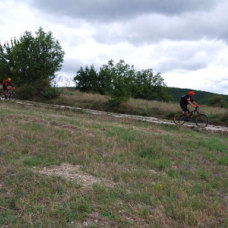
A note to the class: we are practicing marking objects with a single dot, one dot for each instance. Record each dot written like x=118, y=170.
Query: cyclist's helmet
x=9, y=79
x=191, y=93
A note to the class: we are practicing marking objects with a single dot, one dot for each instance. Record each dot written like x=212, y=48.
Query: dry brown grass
x=137, y=106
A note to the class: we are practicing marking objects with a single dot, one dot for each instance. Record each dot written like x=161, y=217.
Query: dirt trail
x=118, y=115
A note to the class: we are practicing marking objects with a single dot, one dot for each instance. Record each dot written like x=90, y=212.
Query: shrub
x=218, y=101
x=26, y=92
x=51, y=92
x=115, y=101
x=29, y=92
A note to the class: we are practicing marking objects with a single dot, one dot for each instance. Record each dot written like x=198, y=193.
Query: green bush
x=26, y=92
x=115, y=101
x=218, y=101
x=224, y=118
x=29, y=92
x=51, y=92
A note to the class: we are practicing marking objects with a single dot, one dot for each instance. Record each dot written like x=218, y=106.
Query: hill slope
x=201, y=97
x=71, y=169
x=163, y=110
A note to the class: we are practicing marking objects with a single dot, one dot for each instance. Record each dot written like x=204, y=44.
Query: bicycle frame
x=192, y=113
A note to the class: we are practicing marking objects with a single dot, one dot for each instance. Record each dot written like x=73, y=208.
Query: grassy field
x=69, y=169
x=218, y=116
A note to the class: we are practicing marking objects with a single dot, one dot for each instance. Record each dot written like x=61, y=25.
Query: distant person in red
x=188, y=100
x=6, y=85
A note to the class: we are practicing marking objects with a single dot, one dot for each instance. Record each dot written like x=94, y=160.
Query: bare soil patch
x=74, y=173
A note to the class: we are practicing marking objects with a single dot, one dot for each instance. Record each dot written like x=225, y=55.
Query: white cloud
x=213, y=78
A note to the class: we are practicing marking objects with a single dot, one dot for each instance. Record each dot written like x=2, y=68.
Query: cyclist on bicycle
x=188, y=99
x=6, y=85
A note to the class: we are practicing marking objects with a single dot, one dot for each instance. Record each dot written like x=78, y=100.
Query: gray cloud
x=154, y=27
x=177, y=64
x=175, y=61
x=184, y=55
x=71, y=65
x=142, y=21
x=114, y=10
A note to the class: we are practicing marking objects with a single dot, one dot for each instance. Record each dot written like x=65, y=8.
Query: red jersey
x=6, y=83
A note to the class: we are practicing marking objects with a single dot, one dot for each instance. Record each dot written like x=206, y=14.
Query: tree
x=106, y=75
x=149, y=86
x=87, y=79
x=117, y=81
x=31, y=60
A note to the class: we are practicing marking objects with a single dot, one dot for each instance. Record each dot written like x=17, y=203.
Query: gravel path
x=118, y=115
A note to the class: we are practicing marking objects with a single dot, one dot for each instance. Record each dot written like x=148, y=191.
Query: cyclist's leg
x=184, y=109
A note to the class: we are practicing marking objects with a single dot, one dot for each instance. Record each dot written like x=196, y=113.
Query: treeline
x=31, y=62
x=121, y=81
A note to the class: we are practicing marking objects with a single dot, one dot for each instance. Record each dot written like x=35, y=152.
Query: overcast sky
x=185, y=40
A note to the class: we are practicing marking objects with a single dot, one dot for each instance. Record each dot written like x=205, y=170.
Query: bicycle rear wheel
x=179, y=119
x=202, y=120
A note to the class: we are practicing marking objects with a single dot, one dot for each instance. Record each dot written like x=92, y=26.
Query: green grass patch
x=40, y=160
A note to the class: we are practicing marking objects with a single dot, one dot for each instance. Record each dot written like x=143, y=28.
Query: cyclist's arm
x=191, y=103
x=196, y=104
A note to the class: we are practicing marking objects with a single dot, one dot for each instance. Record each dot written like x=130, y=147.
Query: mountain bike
x=201, y=120
x=11, y=94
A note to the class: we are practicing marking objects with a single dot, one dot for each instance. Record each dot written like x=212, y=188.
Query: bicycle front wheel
x=179, y=119
x=202, y=120
x=12, y=96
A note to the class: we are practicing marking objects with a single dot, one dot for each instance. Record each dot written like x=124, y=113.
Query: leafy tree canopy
x=120, y=78
x=30, y=59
